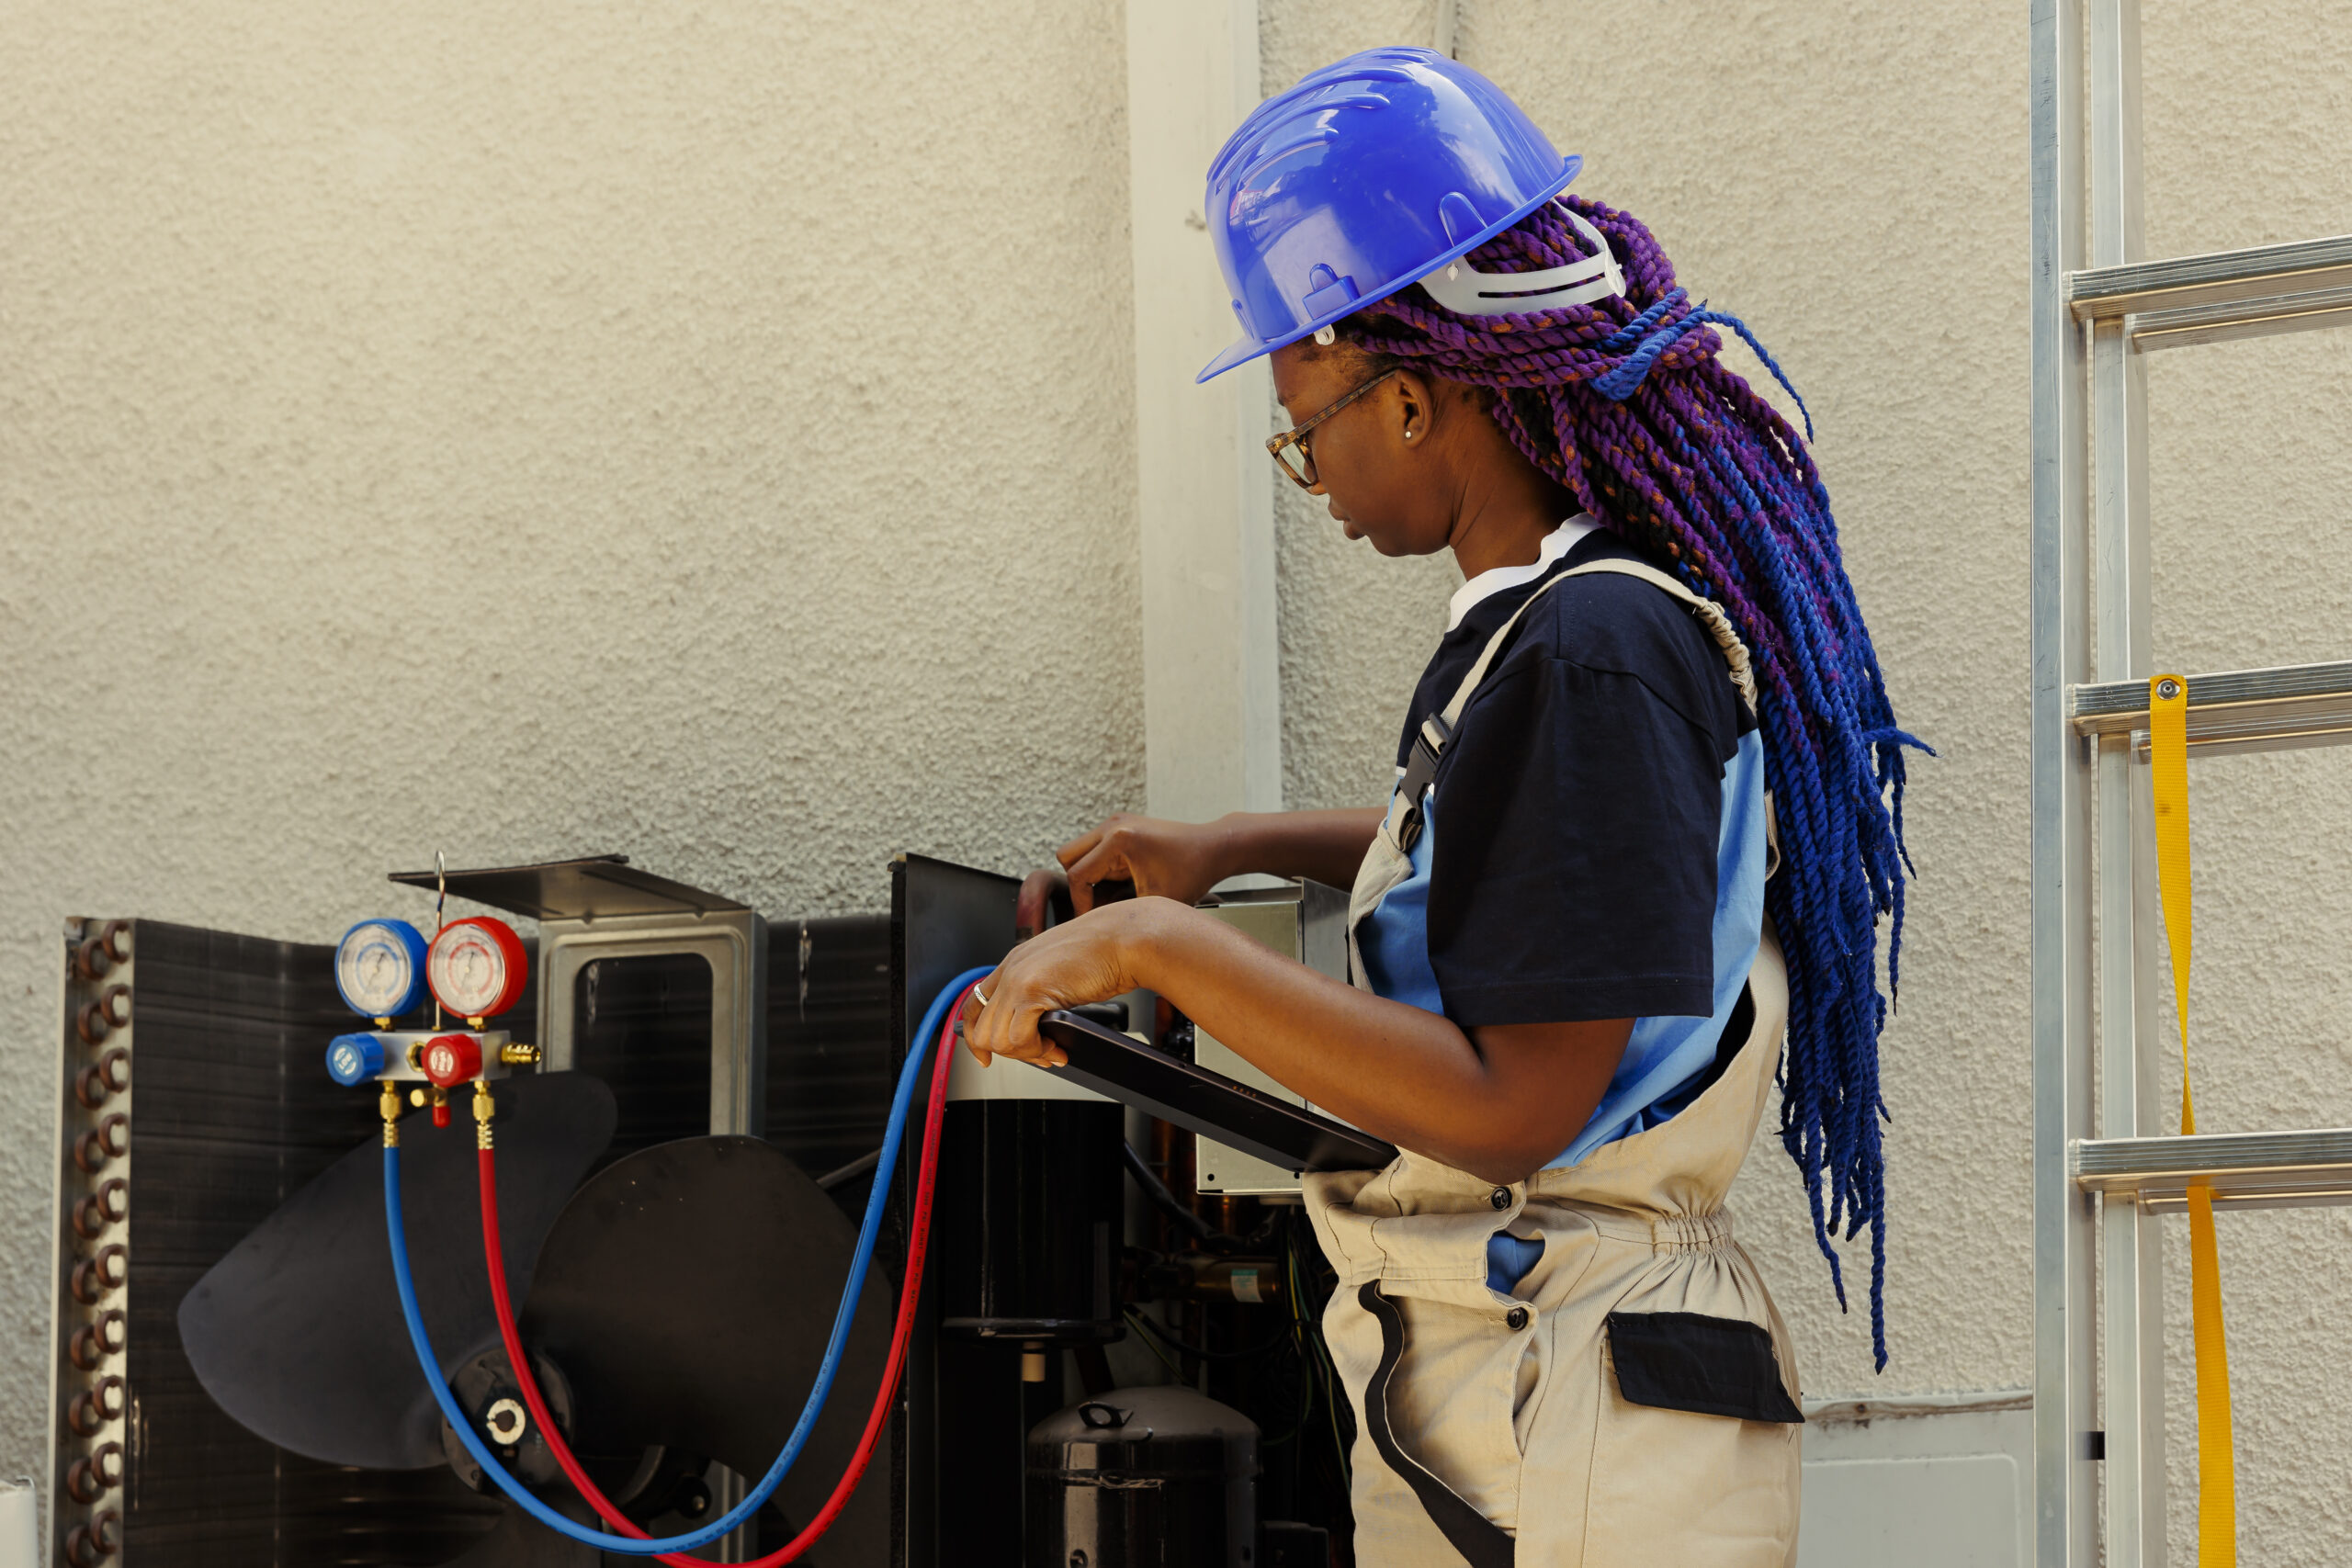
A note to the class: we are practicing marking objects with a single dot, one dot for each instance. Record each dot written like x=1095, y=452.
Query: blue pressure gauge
x=353, y=1058
x=380, y=968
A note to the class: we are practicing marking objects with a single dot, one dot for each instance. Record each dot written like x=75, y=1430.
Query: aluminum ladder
x=2102, y=1172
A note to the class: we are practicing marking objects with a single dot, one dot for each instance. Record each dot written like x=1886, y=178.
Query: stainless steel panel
x=1304, y=920
x=734, y=944
x=595, y=888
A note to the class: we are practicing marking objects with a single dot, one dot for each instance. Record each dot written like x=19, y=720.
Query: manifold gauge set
x=474, y=969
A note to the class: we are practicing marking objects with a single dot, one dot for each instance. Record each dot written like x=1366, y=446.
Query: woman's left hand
x=1081, y=960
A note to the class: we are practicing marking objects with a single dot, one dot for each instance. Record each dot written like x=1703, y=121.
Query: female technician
x=1569, y=998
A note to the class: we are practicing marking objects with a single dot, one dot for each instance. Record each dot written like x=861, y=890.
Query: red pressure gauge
x=477, y=967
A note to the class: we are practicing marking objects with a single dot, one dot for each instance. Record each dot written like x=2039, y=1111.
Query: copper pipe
x=91, y=1478
x=110, y=1139
x=93, y=1544
x=109, y=1203
x=82, y=1483
x=97, y=1406
x=93, y=1276
x=1214, y=1279
x=98, y=1340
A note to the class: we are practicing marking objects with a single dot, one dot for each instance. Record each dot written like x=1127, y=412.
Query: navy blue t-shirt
x=1581, y=804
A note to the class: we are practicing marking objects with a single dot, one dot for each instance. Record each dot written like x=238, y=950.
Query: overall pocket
x=1695, y=1450
x=1710, y=1366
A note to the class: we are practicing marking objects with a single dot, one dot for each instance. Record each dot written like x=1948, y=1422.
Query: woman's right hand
x=1156, y=858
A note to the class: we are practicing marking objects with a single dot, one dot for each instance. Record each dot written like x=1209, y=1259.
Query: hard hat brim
x=1244, y=349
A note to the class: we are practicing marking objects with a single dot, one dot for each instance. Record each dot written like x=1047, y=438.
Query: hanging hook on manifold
x=440, y=903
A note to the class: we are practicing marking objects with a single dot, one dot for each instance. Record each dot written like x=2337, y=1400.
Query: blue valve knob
x=352, y=1058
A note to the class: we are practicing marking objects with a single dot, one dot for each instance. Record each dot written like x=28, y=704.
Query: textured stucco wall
x=556, y=317
x=675, y=377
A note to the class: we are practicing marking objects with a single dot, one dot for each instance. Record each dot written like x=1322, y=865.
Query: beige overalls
x=1632, y=1401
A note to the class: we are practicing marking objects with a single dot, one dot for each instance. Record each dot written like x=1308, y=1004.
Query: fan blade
x=518, y=1541
x=688, y=1292
x=297, y=1332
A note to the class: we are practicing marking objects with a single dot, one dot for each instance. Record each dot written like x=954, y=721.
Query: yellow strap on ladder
x=2217, y=1500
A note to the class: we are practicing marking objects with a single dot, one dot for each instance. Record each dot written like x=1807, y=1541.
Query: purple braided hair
x=1626, y=403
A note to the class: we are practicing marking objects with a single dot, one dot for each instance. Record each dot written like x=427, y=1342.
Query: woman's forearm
x=1324, y=846
x=1500, y=1106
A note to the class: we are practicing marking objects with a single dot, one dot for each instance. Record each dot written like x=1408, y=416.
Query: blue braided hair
x=1626, y=403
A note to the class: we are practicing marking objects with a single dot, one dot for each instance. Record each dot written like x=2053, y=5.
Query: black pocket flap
x=1685, y=1361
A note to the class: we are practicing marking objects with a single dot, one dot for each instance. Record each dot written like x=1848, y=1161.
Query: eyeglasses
x=1290, y=451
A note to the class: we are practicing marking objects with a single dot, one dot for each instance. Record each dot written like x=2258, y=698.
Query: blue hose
x=909, y=1075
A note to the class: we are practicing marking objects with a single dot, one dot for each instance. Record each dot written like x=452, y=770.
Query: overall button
x=1517, y=1318
x=1499, y=1197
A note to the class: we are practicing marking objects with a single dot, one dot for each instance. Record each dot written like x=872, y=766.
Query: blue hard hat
x=1366, y=176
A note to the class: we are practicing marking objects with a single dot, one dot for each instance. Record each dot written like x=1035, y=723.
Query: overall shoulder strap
x=1403, y=823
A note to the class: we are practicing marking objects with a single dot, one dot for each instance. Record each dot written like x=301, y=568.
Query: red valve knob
x=450, y=1059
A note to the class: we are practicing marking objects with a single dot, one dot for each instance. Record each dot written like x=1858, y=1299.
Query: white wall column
x=1211, y=660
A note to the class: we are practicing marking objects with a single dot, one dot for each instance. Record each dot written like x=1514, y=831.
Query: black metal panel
x=1029, y=1220
x=944, y=920
x=235, y=1112
x=830, y=1043
x=641, y=1022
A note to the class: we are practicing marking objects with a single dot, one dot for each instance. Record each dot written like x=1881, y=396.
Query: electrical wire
x=1161, y=1356
x=1306, y=1371
x=1320, y=1364
x=1161, y=1198
x=910, y=1289
x=429, y=1361
x=1248, y=1353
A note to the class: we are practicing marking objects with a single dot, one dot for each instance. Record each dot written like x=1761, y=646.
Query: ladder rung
x=2245, y=1170
x=2234, y=286
x=2236, y=709
x=2243, y=319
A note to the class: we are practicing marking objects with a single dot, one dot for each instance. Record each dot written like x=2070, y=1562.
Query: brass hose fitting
x=484, y=1109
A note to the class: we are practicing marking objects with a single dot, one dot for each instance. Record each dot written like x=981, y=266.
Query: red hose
x=910, y=1292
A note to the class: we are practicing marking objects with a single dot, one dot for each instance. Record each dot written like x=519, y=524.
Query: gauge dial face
x=380, y=968
x=477, y=967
